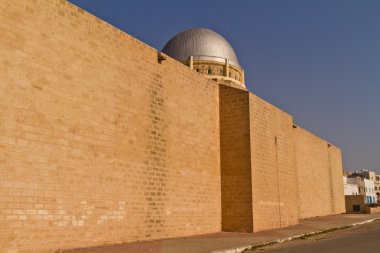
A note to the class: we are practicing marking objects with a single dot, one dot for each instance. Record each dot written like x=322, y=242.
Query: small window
x=197, y=70
x=356, y=208
x=209, y=71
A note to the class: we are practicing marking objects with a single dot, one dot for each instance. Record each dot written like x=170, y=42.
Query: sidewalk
x=228, y=242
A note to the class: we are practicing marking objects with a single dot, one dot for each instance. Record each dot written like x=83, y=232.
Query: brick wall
x=274, y=181
x=351, y=200
x=336, y=175
x=319, y=172
x=99, y=142
x=235, y=157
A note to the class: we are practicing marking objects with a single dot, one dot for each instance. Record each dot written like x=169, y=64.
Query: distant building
x=366, y=188
x=369, y=191
x=349, y=188
x=369, y=174
x=360, y=189
x=377, y=187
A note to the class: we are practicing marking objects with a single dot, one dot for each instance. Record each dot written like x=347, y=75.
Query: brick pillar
x=235, y=158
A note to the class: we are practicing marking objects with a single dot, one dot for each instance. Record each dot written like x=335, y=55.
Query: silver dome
x=202, y=44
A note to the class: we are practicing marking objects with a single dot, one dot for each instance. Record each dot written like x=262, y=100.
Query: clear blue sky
x=317, y=60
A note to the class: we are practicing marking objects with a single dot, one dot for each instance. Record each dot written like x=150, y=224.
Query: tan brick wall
x=351, y=200
x=235, y=160
x=99, y=142
x=336, y=175
x=319, y=170
x=371, y=210
x=274, y=181
x=313, y=174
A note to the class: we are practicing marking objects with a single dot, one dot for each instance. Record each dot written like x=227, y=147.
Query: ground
x=365, y=238
x=223, y=242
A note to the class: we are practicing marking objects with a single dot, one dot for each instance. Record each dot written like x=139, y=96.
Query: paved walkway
x=224, y=240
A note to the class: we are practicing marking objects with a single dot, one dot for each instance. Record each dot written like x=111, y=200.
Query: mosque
x=105, y=140
x=208, y=53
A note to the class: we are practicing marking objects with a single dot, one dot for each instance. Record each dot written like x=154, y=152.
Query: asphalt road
x=360, y=239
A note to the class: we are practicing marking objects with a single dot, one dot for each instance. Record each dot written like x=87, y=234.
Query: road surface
x=360, y=239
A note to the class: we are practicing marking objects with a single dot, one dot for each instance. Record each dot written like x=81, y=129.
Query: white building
x=370, y=191
x=366, y=188
x=377, y=187
x=350, y=189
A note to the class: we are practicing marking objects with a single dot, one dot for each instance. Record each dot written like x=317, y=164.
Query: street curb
x=294, y=237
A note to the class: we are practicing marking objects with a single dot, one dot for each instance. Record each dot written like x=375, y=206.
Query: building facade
x=369, y=189
x=106, y=140
x=350, y=188
x=366, y=188
x=377, y=187
x=368, y=183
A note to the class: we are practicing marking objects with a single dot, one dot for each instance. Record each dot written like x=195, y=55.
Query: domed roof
x=202, y=44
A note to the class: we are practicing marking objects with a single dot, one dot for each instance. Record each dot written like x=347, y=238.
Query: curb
x=290, y=238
